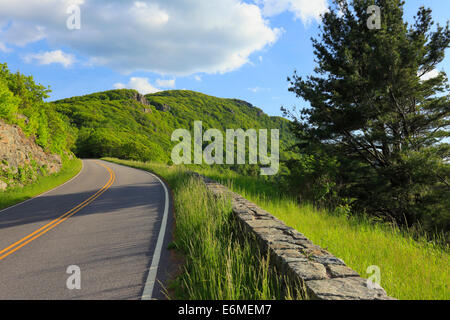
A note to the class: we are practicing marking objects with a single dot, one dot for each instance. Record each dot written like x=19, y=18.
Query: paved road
x=111, y=237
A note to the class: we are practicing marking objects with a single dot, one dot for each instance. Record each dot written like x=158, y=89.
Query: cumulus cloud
x=50, y=57
x=20, y=33
x=306, y=10
x=165, y=83
x=4, y=48
x=258, y=89
x=176, y=37
x=142, y=85
x=429, y=75
x=148, y=15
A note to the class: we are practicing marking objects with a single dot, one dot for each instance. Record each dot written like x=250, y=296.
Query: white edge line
x=151, y=278
x=44, y=193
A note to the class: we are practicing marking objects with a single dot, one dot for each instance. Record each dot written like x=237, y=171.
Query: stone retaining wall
x=317, y=273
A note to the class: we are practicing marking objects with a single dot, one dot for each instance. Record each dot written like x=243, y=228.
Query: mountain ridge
x=125, y=124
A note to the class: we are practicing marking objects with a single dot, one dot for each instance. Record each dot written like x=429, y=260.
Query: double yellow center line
x=36, y=234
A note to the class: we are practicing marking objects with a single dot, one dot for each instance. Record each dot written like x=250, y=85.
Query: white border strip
x=150, y=283
x=44, y=193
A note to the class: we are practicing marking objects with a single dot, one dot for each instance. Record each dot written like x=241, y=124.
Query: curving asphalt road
x=110, y=221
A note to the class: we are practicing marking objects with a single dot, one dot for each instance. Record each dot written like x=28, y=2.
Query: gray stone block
x=308, y=270
x=354, y=288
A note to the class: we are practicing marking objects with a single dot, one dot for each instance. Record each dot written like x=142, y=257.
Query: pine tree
x=374, y=106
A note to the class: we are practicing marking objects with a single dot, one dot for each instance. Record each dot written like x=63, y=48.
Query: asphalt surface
x=111, y=239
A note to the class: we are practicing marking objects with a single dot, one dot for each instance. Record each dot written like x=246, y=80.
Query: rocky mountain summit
x=140, y=98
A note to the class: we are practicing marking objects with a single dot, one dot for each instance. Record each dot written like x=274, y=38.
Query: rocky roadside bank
x=21, y=159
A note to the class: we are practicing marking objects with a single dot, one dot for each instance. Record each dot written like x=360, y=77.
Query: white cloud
x=4, y=48
x=50, y=57
x=21, y=33
x=258, y=89
x=306, y=10
x=429, y=75
x=142, y=85
x=148, y=15
x=176, y=37
x=198, y=78
x=165, y=83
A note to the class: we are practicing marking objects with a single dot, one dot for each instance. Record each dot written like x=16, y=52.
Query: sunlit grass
x=44, y=183
x=410, y=268
x=218, y=265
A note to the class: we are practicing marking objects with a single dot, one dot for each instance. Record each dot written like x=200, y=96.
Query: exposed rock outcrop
x=259, y=112
x=161, y=106
x=21, y=159
x=245, y=103
x=141, y=99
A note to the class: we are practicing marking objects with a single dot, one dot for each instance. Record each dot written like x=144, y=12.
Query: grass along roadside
x=410, y=269
x=218, y=265
x=43, y=184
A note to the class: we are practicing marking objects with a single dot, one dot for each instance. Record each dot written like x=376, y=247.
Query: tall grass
x=411, y=268
x=15, y=195
x=218, y=263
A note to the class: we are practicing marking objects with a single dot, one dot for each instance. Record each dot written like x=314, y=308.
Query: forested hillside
x=22, y=103
x=124, y=124
x=34, y=140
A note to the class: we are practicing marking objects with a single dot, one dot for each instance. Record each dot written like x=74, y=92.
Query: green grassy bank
x=217, y=265
x=410, y=268
x=13, y=196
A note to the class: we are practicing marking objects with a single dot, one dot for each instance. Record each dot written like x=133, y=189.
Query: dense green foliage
x=373, y=138
x=115, y=123
x=22, y=103
x=124, y=124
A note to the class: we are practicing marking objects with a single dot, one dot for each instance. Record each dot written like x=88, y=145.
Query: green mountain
x=22, y=104
x=124, y=124
x=34, y=139
x=118, y=123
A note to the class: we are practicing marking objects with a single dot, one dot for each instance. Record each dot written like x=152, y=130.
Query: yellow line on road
x=36, y=234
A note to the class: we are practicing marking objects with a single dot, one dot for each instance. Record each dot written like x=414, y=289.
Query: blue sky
x=225, y=48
